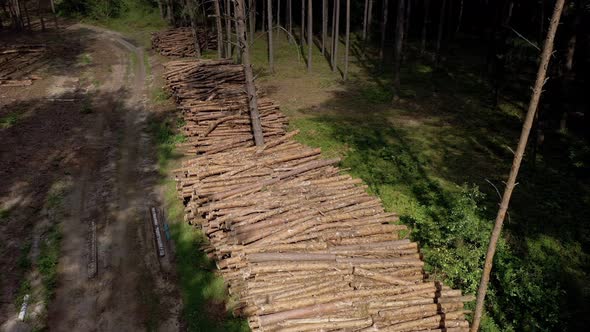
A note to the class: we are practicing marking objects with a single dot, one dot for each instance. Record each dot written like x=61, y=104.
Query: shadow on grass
x=206, y=305
x=429, y=158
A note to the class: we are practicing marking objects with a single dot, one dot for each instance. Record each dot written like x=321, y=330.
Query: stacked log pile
x=299, y=243
x=18, y=62
x=180, y=42
x=214, y=105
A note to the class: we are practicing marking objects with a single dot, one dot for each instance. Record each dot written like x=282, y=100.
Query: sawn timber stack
x=180, y=42
x=301, y=244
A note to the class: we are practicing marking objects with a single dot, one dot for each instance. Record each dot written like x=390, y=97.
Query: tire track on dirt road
x=129, y=291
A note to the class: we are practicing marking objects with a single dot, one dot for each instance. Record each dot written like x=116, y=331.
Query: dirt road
x=109, y=275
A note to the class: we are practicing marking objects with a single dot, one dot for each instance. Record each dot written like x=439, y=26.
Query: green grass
x=85, y=59
x=9, y=120
x=430, y=157
x=48, y=260
x=205, y=299
x=137, y=22
x=159, y=95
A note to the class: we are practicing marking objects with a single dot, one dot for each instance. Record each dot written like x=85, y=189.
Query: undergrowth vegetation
x=438, y=159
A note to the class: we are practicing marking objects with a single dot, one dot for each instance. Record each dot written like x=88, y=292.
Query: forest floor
x=78, y=162
x=438, y=158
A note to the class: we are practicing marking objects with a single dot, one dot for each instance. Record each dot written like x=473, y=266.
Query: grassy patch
x=159, y=95
x=85, y=59
x=9, y=120
x=48, y=260
x=430, y=157
x=206, y=303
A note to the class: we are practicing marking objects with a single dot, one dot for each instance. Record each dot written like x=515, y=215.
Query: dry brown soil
x=84, y=125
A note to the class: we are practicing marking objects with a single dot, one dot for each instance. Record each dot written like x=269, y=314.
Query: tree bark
x=324, y=25
x=407, y=19
x=425, y=26
x=170, y=12
x=347, y=40
x=249, y=75
x=302, y=34
x=278, y=15
x=309, y=34
x=336, y=34
x=263, y=15
x=193, y=18
x=219, y=29
x=441, y=25
x=290, y=15
x=526, y=128
x=271, y=64
x=54, y=14
x=370, y=19
x=383, y=29
x=397, y=51
x=161, y=8
x=252, y=18
x=365, y=19
x=228, y=52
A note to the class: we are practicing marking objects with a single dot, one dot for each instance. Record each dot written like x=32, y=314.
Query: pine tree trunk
x=370, y=19
x=324, y=25
x=54, y=14
x=219, y=28
x=252, y=17
x=271, y=64
x=161, y=8
x=238, y=53
x=302, y=33
x=228, y=48
x=170, y=12
x=278, y=15
x=263, y=15
x=407, y=20
x=365, y=19
x=193, y=18
x=460, y=18
x=397, y=50
x=383, y=30
x=425, y=26
x=333, y=32
x=441, y=25
x=309, y=34
x=336, y=34
x=250, y=87
x=290, y=15
x=510, y=184
x=347, y=40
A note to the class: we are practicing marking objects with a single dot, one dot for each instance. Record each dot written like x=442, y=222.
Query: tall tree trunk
x=271, y=60
x=238, y=53
x=335, y=39
x=228, y=48
x=54, y=14
x=309, y=34
x=407, y=20
x=263, y=15
x=161, y=8
x=290, y=15
x=39, y=13
x=193, y=18
x=324, y=25
x=510, y=184
x=333, y=32
x=397, y=50
x=219, y=28
x=425, y=26
x=383, y=30
x=347, y=45
x=252, y=18
x=278, y=15
x=170, y=12
x=441, y=25
x=365, y=19
x=370, y=19
x=27, y=15
x=250, y=87
x=205, y=24
x=302, y=34
x=460, y=18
